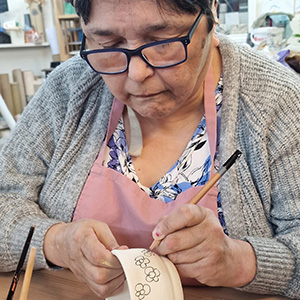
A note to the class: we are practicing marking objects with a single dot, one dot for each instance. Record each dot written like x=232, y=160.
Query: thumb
x=106, y=237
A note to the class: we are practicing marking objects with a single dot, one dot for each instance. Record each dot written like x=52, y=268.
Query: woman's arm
x=24, y=163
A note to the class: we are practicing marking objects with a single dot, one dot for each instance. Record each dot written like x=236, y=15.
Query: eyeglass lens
x=161, y=55
x=108, y=62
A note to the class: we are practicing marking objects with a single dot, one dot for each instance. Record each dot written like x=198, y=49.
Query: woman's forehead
x=131, y=3
x=132, y=7
x=117, y=14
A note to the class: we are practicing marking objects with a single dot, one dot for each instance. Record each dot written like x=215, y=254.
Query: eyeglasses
x=160, y=54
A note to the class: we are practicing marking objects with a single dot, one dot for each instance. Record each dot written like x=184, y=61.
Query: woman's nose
x=138, y=69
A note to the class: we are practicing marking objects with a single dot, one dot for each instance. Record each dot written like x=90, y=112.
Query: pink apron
x=112, y=198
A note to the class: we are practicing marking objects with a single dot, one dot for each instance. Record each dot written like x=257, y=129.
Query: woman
x=114, y=145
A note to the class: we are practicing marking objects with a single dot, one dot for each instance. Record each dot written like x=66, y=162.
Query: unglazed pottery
x=149, y=276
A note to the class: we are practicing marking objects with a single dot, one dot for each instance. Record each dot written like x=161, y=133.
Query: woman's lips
x=146, y=96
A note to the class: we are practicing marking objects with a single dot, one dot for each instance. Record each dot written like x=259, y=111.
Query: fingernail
x=156, y=233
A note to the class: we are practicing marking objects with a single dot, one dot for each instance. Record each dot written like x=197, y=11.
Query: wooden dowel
x=28, y=274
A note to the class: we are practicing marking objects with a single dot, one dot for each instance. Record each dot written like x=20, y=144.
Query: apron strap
x=116, y=112
x=115, y=115
x=210, y=114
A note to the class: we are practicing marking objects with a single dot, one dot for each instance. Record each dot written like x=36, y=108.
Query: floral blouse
x=191, y=169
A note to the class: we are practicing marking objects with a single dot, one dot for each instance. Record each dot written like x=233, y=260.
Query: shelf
x=27, y=45
x=3, y=126
x=69, y=32
x=75, y=43
x=74, y=52
x=68, y=17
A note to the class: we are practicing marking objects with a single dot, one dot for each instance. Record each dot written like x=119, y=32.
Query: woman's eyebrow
x=144, y=29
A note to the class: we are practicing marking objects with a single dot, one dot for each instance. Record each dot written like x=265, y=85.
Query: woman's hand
x=194, y=241
x=84, y=247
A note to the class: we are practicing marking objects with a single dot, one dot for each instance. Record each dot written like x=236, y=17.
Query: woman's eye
x=110, y=46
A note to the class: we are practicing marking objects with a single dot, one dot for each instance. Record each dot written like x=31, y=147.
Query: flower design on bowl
x=148, y=253
x=152, y=274
x=142, y=290
x=142, y=261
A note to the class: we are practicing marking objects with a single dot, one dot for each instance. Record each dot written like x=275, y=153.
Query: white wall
x=287, y=6
x=34, y=59
x=17, y=9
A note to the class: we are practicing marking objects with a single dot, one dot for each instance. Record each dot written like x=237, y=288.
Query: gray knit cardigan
x=49, y=154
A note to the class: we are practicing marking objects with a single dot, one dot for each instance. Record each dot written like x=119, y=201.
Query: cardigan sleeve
x=24, y=161
x=261, y=194
x=272, y=153
x=48, y=156
x=278, y=258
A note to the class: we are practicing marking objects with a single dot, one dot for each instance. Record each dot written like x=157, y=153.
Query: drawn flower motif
x=148, y=253
x=152, y=274
x=142, y=261
x=142, y=290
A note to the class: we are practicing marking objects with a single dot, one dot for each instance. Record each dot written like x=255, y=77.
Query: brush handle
x=208, y=185
x=205, y=189
x=28, y=274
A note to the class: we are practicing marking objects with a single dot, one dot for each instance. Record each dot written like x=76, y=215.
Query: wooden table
x=63, y=285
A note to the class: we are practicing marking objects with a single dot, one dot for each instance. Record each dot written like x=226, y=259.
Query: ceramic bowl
x=149, y=276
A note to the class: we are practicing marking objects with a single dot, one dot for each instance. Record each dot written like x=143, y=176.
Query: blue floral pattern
x=191, y=169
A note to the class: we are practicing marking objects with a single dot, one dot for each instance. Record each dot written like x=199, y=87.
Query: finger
x=112, y=288
x=96, y=247
x=119, y=289
x=209, y=232
x=205, y=272
x=96, y=253
x=190, y=255
x=185, y=216
x=92, y=273
x=108, y=289
x=102, y=276
x=181, y=240
x=192, y=270
x=105, y=236
x=103, y=269
x=123, y=247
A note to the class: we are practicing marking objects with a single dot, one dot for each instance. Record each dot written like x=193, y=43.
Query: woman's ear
x=215, y=3
x=215, y=40
x=214, y=11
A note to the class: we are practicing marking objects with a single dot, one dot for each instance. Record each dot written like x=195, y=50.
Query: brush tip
x=154, y=244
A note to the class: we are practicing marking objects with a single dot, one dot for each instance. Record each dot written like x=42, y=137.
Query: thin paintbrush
x=20, y=264
x=208, y=186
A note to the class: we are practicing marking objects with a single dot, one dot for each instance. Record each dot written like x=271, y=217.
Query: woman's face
x=152, y=93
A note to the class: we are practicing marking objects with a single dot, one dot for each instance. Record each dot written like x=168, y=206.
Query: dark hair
x=82, y=8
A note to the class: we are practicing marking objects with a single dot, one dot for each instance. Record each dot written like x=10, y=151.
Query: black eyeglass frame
x=185, y=40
